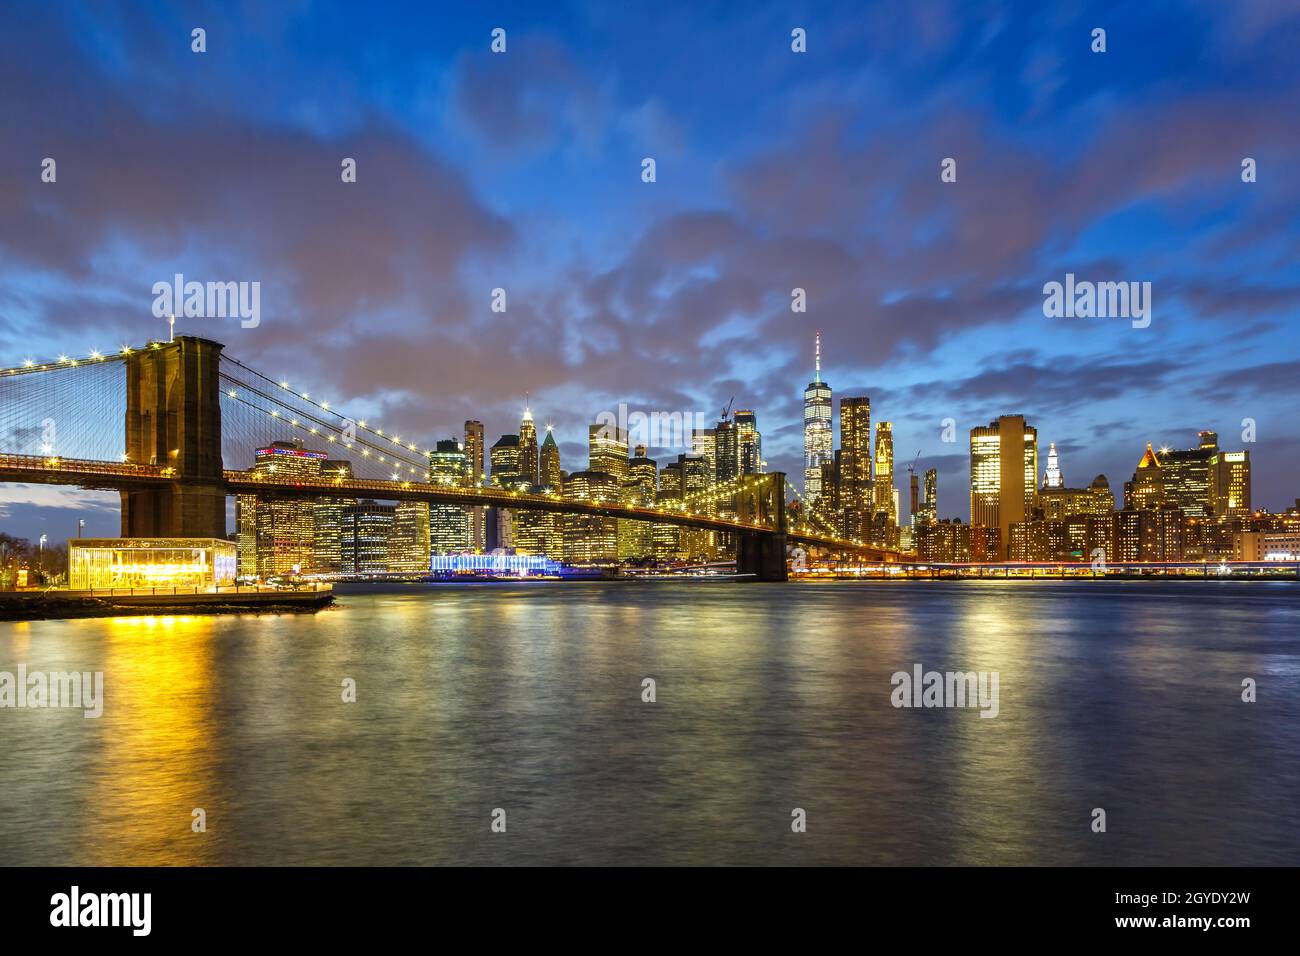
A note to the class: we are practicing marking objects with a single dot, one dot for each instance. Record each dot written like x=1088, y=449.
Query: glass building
x=818, y=438
x=101, y=563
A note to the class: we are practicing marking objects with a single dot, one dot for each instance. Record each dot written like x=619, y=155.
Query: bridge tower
x=761, y=498
x=173, y=419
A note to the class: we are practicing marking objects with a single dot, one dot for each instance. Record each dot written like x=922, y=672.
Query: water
x=1122, y=695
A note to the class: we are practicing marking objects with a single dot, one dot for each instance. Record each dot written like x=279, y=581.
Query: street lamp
x=81, y=523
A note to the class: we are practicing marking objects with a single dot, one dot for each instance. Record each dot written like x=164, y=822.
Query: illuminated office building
x=366, y=536
x=818, y=437
x=929, y=512
x=591, y=538
x=504, y=459
x=749, y=443
x=885, y=495
x=1230, y=483
x=1186, y=475
x=450, y=526
x=409, y=547
x=607, y=450
x=1064, y=502
x=474, y=446
x=636, y=538
x=696, y=543
x=329, y=521
x=667, y=538
x=855, y=486
x=1003, y=476
x=1147, y=487
x=283, y=528
x=704, y=442
x=528, y=448
x=549, y=463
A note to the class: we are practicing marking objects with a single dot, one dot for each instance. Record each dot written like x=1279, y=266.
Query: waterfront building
x=329, y=520
x=1003, y=475
x=450, y=526
x=474, y=452
x=367, y=528
x=409, y=547
x=591, y=538
x=103, y=563
x=818, y=437
x=283, y=528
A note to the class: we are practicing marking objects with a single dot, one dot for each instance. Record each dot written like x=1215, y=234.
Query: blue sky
x=775, y=170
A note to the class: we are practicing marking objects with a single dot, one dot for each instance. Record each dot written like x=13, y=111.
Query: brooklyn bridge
x=159, y=424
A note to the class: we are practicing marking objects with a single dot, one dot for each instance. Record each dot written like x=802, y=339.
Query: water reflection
x=528, y=698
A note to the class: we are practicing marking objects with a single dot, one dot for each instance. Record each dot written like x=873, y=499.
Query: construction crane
x=912, y=467
x=726, y=412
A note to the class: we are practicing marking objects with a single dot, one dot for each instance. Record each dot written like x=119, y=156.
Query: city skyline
x=676, y=294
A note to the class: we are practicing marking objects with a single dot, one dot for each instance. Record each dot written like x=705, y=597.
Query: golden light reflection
x=158, y=758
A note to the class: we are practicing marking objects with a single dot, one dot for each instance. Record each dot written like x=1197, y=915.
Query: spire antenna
x=818, y=376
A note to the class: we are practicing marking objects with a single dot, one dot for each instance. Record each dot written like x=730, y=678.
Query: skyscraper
x=855, y=487
x=284, y=527
x=749, y=442
x=1147, y=489
x=474, y=446
x=884, y=482
x=549, y=463
x=818, y=438
x=1052, y=477
x=367, y=531
x=408, y=548
x=528, y=448
x=607, y=450
x=1230, y=483
x=1187, y=475
x=930, y=504
x=591, y=538
x=449, y=525
x=1003, y=475
x=329, y=520
x=635, y=538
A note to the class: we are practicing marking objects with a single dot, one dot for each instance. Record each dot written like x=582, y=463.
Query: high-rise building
x=696, y=543
x=818, y=437
x=283, y=527
x=367, y=530
x=704, y=442
x=726, y=452
x=549, y=463
x=504, y=459
x=591, y=538
x=528, y=448
x=884, y=500
x=636, y=538
x=329, y=521
x=474, y=450
x=930, y=505
x=1147, y=488
x=1003, y=476
x=408, y=548
x=1064, y=502
x=1230, y=483
x=1052, y=477
x=668, y=537
x=749, y=442
x=607, y=450
x=450, y=526
x=855, y=487
x=1186, y=475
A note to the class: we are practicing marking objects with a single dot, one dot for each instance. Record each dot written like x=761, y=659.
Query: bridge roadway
x=107, y=475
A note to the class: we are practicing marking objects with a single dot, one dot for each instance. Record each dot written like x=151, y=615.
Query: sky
x=775, y=170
